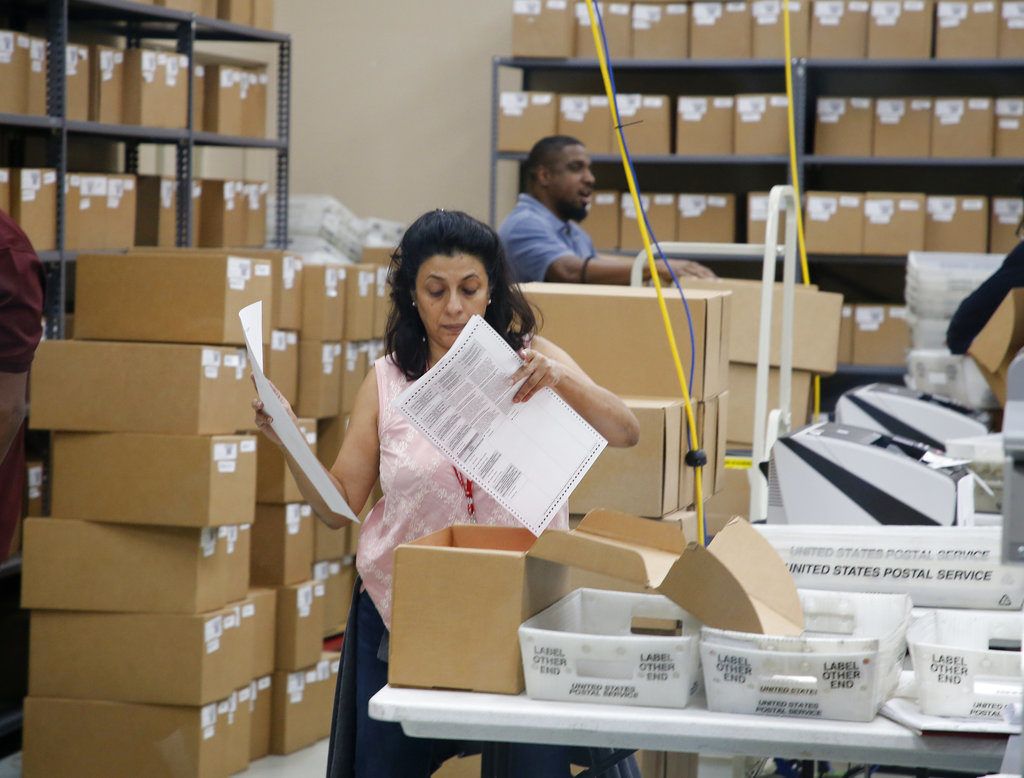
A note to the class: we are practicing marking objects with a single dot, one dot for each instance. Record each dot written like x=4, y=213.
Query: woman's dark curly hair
x=449, y=233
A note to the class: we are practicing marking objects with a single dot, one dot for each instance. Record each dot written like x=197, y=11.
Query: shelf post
x=185, y=148
x=57, y=152
x=284, y=109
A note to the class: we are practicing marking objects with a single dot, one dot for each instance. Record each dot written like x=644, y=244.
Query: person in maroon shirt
x=21, y=311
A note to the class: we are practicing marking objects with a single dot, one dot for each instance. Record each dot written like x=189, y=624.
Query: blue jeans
x=383, y=750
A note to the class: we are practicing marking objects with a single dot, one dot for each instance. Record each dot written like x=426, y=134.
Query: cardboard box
x=963, y=127
x=839, y=29
x=382, y=305
x=602, y=224
x=222, y=109
x=706, y=218
x=995, y=347
x=1009, y=134
x=712, y=417
x=881, y=335
x=274, y=482
x=902, y=127
x=301, y=712
x=113, y=656
x=339, y=579
x=844, y=126
x=894, y=223
x=319, y=379
x=721, y=30
x=34, y=205
x=282, y=363
x=260, y=713
x=761, y=126
x=14, y=69
x=643, y=480
x=236, y=541
x=36, y=103
x=261, y=607
x=74, y=389
x=222, y=214
x=121, y=739
x=578, y=318
x=355, y=365
x=156, y=211
x=845, y=355
x=331, y=543
x=768, y=41
x=543, y=28
x=1007, y=213
x=814, y=312
x=661, y=219
x=237, y=11
x=661, y=31
x=956, y=223
x=255, y=200
x=237, y=711
x=616, y=19
x=757, y=217
x=255, y=90
x=324, y=289
x=81, y=565
x=742, y=385
x=138, y=296
x=263, y=14
x=646, y=123
x=155, y=88
x=466, y=643
x=704, y=125
x=300, y=623
x=967, y=30
x=524, y=118
x=5, y=190
x=76, y=82
x=834, y=223
x=586, y=118
x=34, y=488
x=360, y=298
x=282, y=550
x=130, y=478
x=900, y=29
x=1011, y=30
x=99, y=211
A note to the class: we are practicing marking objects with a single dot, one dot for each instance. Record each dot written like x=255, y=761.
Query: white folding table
x=518, y=719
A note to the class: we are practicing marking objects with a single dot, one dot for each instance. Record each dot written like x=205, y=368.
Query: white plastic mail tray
x=585, y=648
x=967, y=664
x=844, y=665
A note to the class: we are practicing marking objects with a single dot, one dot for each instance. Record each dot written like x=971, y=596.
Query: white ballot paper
x=527, y=456
x=292, y=438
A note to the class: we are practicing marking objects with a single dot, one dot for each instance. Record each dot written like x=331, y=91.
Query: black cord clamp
x=696, y=458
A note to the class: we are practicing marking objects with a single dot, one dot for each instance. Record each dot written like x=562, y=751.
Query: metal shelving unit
x=136, y=22
x=811, y=79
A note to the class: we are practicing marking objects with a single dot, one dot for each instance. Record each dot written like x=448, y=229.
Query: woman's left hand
x=539, y=371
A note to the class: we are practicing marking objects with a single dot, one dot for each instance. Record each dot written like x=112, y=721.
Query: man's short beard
x=571, y=212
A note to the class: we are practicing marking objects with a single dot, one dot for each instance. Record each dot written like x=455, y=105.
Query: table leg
x=494, y=761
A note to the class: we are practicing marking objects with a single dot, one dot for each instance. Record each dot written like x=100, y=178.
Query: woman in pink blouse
x=448, y=267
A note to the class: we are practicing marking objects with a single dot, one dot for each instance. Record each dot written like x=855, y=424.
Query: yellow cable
x=794, y=175
x=698, y=486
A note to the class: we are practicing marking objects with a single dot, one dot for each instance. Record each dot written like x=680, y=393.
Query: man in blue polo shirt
x=542, y=235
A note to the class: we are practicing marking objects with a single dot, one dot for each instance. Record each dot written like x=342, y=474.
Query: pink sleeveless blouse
x=421, y=493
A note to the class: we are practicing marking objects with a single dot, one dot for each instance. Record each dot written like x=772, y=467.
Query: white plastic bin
x=953, y=375
x=582, y=649
x=959, y=666
x=844, y=666
x=987, y=458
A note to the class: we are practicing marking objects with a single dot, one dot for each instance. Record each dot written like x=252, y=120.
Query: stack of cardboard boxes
x=254, y=13
x=822, y=29
x=29, y=195
x=874, y=335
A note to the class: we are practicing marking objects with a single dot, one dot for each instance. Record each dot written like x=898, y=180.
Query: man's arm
x=12, y=408
x=605, y=269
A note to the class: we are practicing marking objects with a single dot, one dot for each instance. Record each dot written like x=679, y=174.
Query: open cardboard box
x=460, y=594
x=995, y=347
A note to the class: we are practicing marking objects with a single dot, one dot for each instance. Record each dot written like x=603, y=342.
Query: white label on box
x=262, y=269
x=304, y=600
x=664, y=199
x=766, y=12
x=821, y=209
x=1010, y=106
x=736, y=8
x=890, y=111
x=604, y=198
x=1013, y=11
x=831, y=109
x=351, y=356
x=382, y=281
x=692, y=206
x=311, y=437
x=879, y=211
x=244, y=695
x=232, y=360
x=858, y=6
x=289, y=268
x=885, y=13
x=263, y=683
x=941, y=209
x=645, y=16
x=226, y=467
x=166, y=194
x=323, y=670
x=985, y=7
x=248, y=610
x=514, y=103
x=573, y=108
x=692, y=109
x=231, y=534
x=71, y=55
x=921, y=104
x=213, y=630
x=653, y=102
x=319, y=590
x=757, y=205
x=239, y=272
x=979, y=104
x=106, y=65
x=849, y=201
x=208, y=541
x=84, y=204
x=1008, y=210
x=366, y=280
x=619, y=9
x=860, y=103
x=208, y=715
x=847, y=311
x=225, y=451
x=913, y=5
x=334, y=568
x=171, y=71
x=233, y=620
x=278, y=340
x=628, y=105
x=306, y=511
x=897, y=312
x=321, y=571
x=6, y=47
x=869, y=318
x=331, y=281
x=291, y=511
x=706, y=14
x=751, y=105
x=148, y=66
x=778, y=101
x=829, y=14
x=949, y=111
x=909, y=205
x=327, y=357
x=717, y=201
x=557, y=5
x=293, y=338
x=676, y=9
x=296, y=685
x=311, y=676
x=973, y=203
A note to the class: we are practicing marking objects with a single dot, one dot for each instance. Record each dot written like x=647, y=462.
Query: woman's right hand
x=263, y=421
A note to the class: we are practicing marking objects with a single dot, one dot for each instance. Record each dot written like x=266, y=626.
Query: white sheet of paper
x=527, y=456
x=291, y=436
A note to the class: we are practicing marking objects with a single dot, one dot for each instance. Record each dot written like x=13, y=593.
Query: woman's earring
x=413, y=303
x=488, y=300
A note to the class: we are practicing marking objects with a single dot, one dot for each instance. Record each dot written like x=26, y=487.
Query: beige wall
x=391, y=101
